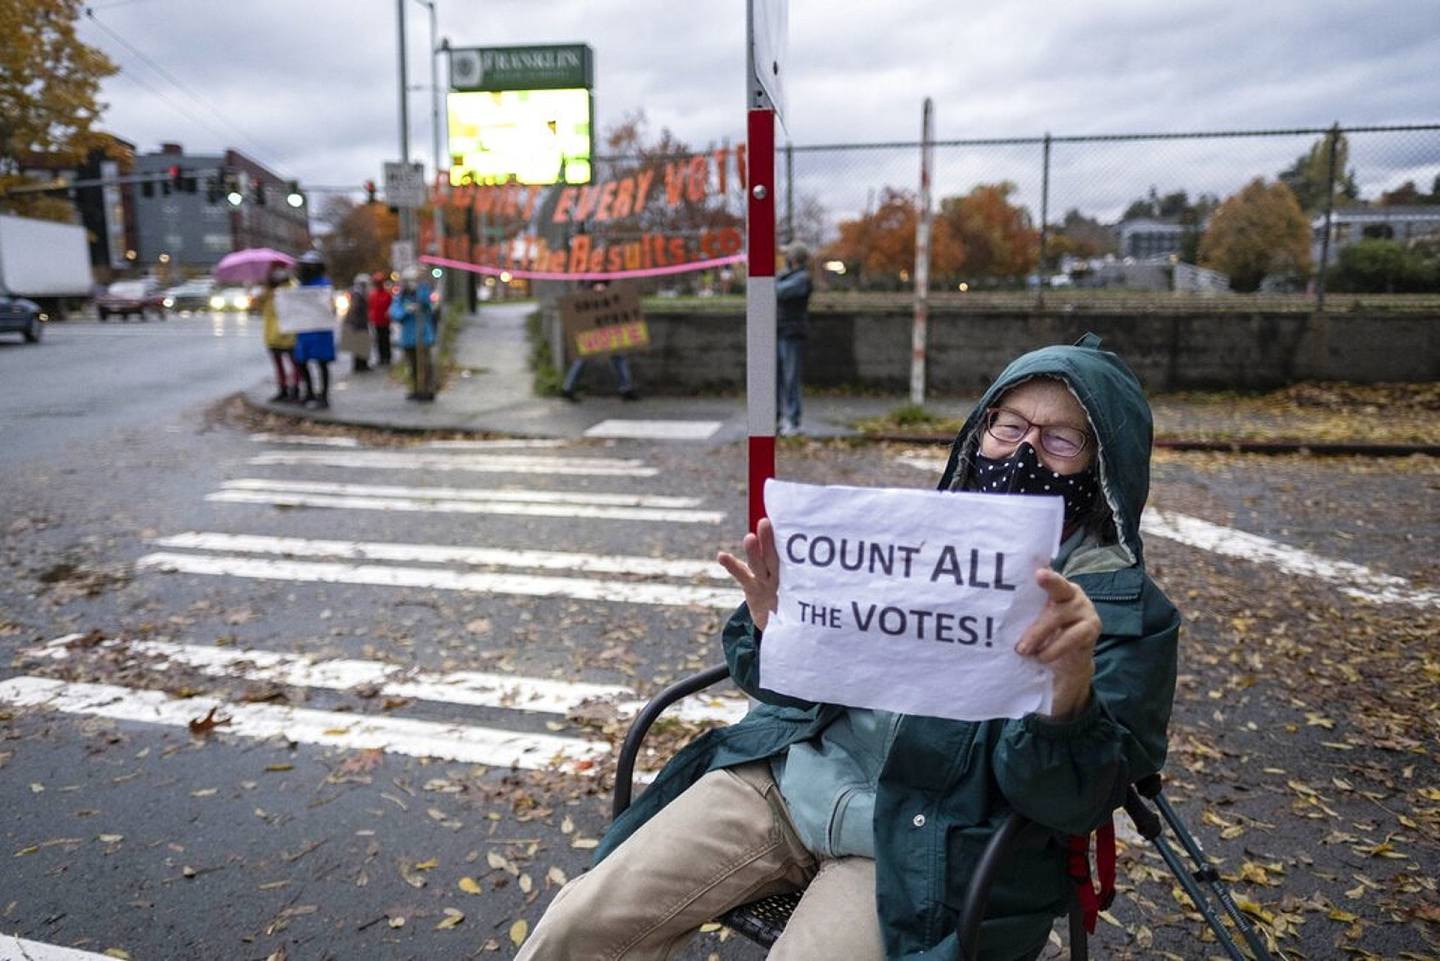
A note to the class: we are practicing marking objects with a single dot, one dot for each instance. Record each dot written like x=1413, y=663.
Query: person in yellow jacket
x=280, y=344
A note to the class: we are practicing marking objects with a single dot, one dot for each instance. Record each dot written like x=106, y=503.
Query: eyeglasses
x=1008, y=427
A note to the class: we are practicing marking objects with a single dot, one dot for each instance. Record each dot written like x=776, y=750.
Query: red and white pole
x=760, y=305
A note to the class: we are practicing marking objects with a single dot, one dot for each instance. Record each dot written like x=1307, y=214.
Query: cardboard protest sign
x=600, y=322
x=299, y=309
x=908, y=601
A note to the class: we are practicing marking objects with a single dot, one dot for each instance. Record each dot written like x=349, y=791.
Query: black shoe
x=629, y=395
x=425, y=398
x=281, y=396
x=412, y=396
x=570, y=396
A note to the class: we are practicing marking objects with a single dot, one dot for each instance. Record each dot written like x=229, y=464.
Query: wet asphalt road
x=142, y=838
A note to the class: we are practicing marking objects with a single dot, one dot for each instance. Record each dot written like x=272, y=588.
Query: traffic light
x=293, y=196
x=257, y=191
x=369, y=191
x=214, y=188
x=175, y=178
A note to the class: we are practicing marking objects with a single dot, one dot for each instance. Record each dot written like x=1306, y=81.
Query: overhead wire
x=178, y=84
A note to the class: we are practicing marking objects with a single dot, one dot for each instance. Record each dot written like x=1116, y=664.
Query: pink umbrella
x=250, y=266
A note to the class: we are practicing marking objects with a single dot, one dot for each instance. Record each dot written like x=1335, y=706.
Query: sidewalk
x=496, y=397
x=493, y=395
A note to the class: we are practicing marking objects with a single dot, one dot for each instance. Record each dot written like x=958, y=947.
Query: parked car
x=128, y=297
x=20, y=315
x=191, y=295
x=231, y=298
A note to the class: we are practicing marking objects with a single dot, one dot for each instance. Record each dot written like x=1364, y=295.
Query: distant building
x=185, y=214
x=1349, y=224
x=106, y=210
x=1147, y=238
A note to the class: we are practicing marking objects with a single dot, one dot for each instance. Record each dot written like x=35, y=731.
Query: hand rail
x=977, y=892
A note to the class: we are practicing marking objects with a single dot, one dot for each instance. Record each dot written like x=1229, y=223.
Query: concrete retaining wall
x=704, y=351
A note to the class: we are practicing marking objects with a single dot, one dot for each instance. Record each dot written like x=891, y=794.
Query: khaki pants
x=726, y=841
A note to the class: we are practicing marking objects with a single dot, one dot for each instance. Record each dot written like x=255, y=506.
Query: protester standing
x=792, y=295
x=280, y=344
x=412, y=308
x=618, y=361
x=355, y=333
x=379, y=309
x=317, y=346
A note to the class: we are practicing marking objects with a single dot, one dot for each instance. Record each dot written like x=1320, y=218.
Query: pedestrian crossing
x=528, y=477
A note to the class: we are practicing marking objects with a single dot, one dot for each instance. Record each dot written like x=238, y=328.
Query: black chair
x=762, y=921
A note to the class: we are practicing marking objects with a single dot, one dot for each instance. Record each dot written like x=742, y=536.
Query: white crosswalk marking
x=463, y=501
x=315, y=440
x=472, y=688
x=1353, y=580
x=384, y=575
x=18, y=949
x=452, y=742
x=473, y=463
x=656, y=429
x=439, y=554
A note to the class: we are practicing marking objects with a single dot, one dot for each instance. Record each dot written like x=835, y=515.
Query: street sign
x=404, y=184
x=768, y=36
x=402, y=255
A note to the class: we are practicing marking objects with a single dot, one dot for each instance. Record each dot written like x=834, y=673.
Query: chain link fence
x=1110, y=217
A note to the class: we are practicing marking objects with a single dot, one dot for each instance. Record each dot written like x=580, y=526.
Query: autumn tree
x=49, y=82
x=995, y=237
x=359, y=238
x=1309, y=176
x=1258, y=232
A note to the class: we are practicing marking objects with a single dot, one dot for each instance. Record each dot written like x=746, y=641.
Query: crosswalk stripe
x=396, y=735
x=440, y=554
x=488, y=494
x=510, y=464
x=19, y=949
x=1353, y=580
x=314, y=440
x=464, y=507
x=532, y=585
x=656, y=429
x=470, y=688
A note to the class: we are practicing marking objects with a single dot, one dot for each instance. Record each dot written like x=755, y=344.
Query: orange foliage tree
x=1258, y=232
x=978, y=235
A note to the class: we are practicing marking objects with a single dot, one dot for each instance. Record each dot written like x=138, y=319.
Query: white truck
x=46, y=262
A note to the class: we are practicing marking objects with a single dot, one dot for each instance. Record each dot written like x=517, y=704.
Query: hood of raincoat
x=1119, y=415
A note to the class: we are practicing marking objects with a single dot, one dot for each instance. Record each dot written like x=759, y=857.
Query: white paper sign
x=299, y=309
x=909, y=601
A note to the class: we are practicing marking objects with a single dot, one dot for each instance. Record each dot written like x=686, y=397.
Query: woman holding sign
x=879, y=817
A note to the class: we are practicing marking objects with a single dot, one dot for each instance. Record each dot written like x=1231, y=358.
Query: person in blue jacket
x=880, y=818
x=317, y=346
x=416, y=315
x=792, y=305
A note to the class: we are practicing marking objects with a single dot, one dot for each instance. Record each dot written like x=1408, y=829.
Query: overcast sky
x=309, y=86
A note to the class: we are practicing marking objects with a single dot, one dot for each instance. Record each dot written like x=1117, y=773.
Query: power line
x=175, y=82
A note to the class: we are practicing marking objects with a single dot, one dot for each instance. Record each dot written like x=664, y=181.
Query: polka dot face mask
x=1022, y=473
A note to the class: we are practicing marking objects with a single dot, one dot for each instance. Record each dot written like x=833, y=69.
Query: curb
x=1318, y=449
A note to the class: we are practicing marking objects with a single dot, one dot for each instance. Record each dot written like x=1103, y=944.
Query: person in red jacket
x=379, y=307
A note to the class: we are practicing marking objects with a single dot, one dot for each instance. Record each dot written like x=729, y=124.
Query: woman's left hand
x=1064, y=636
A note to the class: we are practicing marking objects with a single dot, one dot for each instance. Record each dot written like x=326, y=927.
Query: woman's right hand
x=759, y=574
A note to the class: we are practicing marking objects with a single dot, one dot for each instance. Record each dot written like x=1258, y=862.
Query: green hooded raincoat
x=947, y=785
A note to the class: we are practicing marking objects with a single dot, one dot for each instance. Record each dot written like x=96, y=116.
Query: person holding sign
x=316, y=344
x=412, y=308
x=879, y=816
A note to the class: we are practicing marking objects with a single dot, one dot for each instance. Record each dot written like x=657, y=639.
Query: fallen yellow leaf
x=453, y=916
x=429, y=865
x=470, y=886
x=519, y=931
